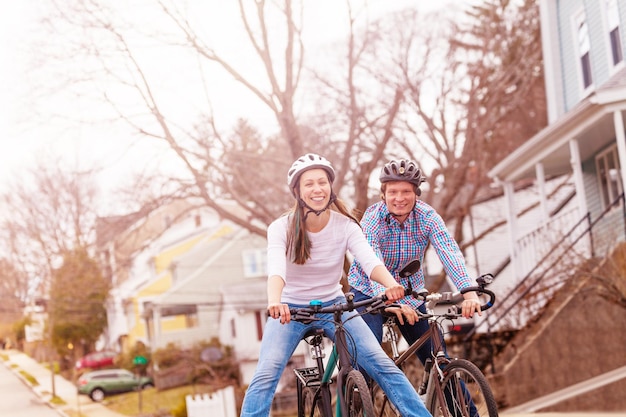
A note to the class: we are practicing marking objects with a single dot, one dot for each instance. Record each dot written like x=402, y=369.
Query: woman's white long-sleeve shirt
x=318, y=278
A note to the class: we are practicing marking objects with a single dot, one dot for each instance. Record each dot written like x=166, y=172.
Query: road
x=18, y=400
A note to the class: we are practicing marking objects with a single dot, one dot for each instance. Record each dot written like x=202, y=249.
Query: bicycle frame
x=311, y=376
x=433, y=368
x=340, y=356
x=434, y=335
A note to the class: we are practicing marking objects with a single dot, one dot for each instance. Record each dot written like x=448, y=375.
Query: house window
x=583, y=51
x=609, y=175
x=254, y=263
x=612, y=17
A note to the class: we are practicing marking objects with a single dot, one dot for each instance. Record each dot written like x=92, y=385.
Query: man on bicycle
x=400, y=228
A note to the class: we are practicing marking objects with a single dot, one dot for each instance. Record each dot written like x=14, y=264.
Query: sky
x=12, y=31
x=24, y=140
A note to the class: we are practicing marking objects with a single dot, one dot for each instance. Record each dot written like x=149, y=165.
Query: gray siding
x=598, y=39
x=599, y=52
x=569, y=53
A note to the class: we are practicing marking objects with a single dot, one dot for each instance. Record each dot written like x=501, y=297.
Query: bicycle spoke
x=466, y=392
x=382, y=405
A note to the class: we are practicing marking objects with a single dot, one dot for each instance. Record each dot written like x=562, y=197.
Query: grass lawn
x=153, y=400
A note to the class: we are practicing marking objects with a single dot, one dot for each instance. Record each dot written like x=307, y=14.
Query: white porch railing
x=550, y=240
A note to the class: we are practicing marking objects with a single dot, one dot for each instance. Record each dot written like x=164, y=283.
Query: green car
x=99, y=384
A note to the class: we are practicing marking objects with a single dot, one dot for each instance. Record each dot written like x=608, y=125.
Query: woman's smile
x=315, y=188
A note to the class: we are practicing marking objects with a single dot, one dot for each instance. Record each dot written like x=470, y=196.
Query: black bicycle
x=450, y=387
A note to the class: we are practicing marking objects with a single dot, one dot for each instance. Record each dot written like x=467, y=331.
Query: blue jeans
x=280, y=341
x=410, y=333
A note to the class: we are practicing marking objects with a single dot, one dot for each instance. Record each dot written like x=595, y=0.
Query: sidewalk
x=75, y=405
x=568, y=414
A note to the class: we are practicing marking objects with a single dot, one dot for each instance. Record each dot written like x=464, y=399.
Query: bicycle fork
x=433, y=373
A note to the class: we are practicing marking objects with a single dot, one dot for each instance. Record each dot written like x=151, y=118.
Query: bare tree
x=208, y=163
x=13, y=291
x=51, y=212
x=403, y=89
x=465, y=88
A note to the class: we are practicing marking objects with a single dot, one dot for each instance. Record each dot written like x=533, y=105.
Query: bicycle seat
x=314, y=332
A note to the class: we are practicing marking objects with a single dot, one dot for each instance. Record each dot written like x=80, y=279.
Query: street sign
x=140, y=360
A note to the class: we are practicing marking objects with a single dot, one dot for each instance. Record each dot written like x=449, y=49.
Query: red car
x=96, y=360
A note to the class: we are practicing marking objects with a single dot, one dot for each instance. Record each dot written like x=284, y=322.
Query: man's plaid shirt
x=396, y=244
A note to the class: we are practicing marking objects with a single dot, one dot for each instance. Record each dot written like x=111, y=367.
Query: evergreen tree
x=77, y=302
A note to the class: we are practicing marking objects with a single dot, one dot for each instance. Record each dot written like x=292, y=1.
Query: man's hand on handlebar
x=279, y=310
x=401, y=311
x=470, y=305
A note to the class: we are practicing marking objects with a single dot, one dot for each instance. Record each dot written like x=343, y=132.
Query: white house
x=585, y=75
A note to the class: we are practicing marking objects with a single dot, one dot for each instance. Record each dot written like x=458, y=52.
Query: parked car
x=97, y=360
x=105, y=382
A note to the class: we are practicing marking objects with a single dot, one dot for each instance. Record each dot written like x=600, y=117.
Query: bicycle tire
x=382, y=405
x=311, y=403
x=357, y=395
x=461, y=373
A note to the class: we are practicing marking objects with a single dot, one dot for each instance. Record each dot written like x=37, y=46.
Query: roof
x=249, y=295
x=590, y=122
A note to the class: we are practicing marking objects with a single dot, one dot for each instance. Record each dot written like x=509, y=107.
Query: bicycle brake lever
x=377, y=306
x=420, y=294
x=303, y=316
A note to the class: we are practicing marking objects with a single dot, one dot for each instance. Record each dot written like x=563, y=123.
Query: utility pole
x=51, y=350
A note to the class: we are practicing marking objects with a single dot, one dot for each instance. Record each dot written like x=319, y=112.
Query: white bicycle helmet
x=306, y=162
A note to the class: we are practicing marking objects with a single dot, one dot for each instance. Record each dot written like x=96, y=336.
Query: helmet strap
x=309, y=209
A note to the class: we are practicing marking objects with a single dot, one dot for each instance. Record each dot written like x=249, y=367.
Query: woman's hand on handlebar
x=279, y=310
x=394, y=293
x=401, y=311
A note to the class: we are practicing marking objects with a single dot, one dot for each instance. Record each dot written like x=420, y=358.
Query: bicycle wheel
x=357, y=395
x=466, y=391
x=382, y=405
x=310, y=403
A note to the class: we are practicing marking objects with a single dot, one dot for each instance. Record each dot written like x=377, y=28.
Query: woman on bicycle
x=305, y=255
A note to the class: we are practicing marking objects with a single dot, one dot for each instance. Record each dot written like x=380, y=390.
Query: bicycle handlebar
x=482, y=290
x=315, y=307
x=453, y=297
x=379, y=303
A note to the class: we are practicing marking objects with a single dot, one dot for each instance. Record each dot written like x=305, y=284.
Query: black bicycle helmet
x=402, y=170
x=306, y=162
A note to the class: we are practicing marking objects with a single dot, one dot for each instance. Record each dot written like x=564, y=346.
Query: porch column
x=511, y=219
x=541, y=186
x=581, y=196
x=156, y=325
x=620, y=138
